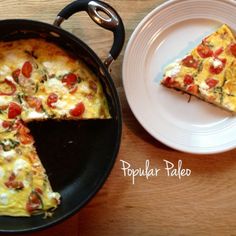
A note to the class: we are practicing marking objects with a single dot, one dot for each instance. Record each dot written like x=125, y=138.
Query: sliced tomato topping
x=27, y=69
x=34, y=102
x=218, y=52
x=217, y=70
x=70, y=80
x=168, y=81
x=14, y=110
x=233, y=49
x=24, y=136
x=52, y=98
x=193, y=88
x=7, y=88
x=38, y=190
x=14, y=184
x=204, y=51
x=189, y=61
x=188, y=79
x=211, y=82
x=78, y=110
x=73, y=89
x=16, y=74
x=26, y=139
x=6, y=124
x=34, y=202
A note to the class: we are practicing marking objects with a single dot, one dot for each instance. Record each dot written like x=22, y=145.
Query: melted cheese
x=2, y=172
x=32, y=115
x=8, y=154
x=52, y=195
x=216, y=62
x=5, y=100
x=173, y=69
x=55, y=85
x=5, y=70
x=4, y=198
x=19, y=165
x=57, y=67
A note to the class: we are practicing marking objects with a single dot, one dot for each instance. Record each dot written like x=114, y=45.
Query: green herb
x=218, y=90
x=36, y=88
x=208, y=44
x=200, y=67
x=31, y=53
x=47, y=114
x=59, y=77
x=20, y=97
x=8, y=144
x=221, y=98
x=225, y=79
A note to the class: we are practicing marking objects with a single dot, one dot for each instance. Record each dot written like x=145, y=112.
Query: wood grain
x=202, y=204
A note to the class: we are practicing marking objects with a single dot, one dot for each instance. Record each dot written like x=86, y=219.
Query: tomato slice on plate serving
x=204, y=51
x=218, y=69
x=233, y=49
x=189, y=61
x=188, y=79
x=211, y=82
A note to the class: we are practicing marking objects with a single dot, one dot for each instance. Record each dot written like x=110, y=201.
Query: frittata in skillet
x=208, y=71
x=24, y=186
x=38, y=81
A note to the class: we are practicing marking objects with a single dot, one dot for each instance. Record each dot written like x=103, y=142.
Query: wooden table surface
x=202, y=204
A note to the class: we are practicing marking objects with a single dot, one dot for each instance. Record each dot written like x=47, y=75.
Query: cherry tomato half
x=233, y=49
x=193, y=88
x=34, y=202
x=211, y=82
x=34, y=102
x=218, y=52
x=52, y=98
x=188, y=79
x=70, y=80
x=189, y=61
x=204, y=51
x=78, y=110
x=27, y=69
x=14, y=110
x=217, y=70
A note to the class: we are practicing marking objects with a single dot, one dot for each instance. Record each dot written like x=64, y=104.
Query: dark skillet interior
x=77, y=155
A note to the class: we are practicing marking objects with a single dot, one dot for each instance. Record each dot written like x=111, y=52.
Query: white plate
x=168, y=33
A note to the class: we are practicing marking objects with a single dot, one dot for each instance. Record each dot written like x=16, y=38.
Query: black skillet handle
x=112, y=23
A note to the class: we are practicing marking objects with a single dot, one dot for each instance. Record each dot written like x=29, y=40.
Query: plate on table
x=169, y=32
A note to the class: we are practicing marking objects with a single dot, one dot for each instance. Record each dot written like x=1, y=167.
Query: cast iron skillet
x=78, y=155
